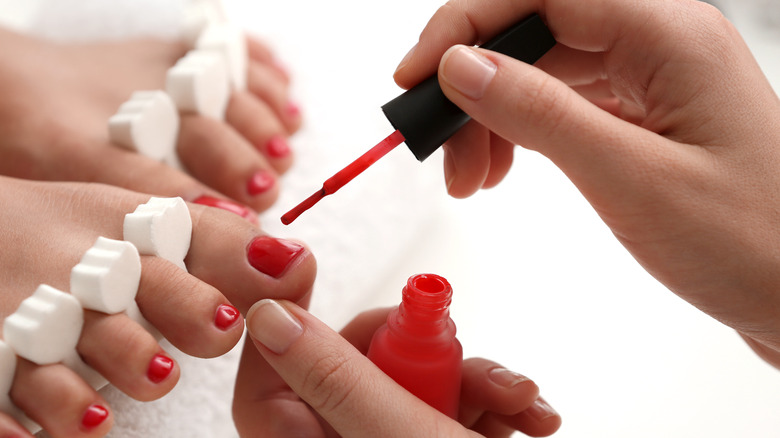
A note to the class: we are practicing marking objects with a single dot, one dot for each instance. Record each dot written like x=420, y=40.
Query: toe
x=218, y=156
x=40, y=392
x=127, y=356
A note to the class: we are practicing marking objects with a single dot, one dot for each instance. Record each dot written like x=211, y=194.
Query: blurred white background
x=541, y=285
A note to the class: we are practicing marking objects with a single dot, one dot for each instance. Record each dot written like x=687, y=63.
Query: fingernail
x=260, y=182
x=277, y=147
x=159, y=368
x=406, y=59
x=449, y=168
x=93, y=417
x=467, y=71
x=273, y=326
x=540, y=410
x=224, y=204
x=272, y=256
x=505, y=378
x=226, y=317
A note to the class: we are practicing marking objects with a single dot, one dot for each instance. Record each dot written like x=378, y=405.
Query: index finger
x=584, y=25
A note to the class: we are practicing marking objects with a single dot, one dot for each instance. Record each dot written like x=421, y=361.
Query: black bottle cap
x=424, y=115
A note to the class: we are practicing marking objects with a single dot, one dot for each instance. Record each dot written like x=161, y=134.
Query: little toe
x=127, y=356
x=219, y=157
x=257, y=122
x=60, y=401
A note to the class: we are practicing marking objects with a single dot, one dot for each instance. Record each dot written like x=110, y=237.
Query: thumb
x=336, y=380
x=527, y=106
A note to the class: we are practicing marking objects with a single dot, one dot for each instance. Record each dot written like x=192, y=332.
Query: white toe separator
x=46, y=327
x=148, y=123
x=161, y=227
x=199, y=84
x=229, y=41
x=107, y=277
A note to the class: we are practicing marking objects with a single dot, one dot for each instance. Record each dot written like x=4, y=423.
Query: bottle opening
x=429, y=284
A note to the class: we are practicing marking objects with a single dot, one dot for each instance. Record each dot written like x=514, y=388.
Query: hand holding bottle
x=334, y=390
x=659, y=115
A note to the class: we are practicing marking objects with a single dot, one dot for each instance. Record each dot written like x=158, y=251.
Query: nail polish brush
x=423, y=116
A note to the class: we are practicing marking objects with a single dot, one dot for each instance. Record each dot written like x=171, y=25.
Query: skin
x=57, y=99
x=180, y=305
x=675, y=149
x=326, y=387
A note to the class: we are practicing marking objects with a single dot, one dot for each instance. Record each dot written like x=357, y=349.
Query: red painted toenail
x=272, y=256
x=226, y=317
x=94, y=416
x=159, y=368
x=260, y=182
x=277, y=147
x=224, y=204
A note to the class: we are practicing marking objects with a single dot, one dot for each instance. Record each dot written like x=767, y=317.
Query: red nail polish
x=277, y=147
x=224, y=204
x=260, y=182
x=417, y=347
x=226, y=317
x=272, y=256
x=94, y=416
x=159, y=368
x=292, y=109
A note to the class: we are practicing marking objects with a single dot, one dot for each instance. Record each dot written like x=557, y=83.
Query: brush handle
x=424, y=115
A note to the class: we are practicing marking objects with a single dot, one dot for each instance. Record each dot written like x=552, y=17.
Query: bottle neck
x=425, y=308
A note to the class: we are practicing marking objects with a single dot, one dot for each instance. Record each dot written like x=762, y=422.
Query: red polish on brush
x=417, y=347
x=423, y=116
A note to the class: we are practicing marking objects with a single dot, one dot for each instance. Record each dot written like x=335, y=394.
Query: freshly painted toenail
x=272, y=256
x=277, y=147
x=260, y=182
x=94, y=416
x=224, y=204
x=159, y=368
x=226, y=317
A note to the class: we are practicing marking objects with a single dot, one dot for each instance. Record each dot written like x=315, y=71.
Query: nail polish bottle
x=417, y=347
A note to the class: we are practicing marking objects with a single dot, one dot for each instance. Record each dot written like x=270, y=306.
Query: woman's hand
x=657, y=112
x=325, y=386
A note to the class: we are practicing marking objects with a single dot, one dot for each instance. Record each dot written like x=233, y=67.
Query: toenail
x=224, y=204
x=260, y=182
x=159, y=368
x=226, y=317
x=94, y=416
x=277, y=147
x=272, y=256
x=292, y=109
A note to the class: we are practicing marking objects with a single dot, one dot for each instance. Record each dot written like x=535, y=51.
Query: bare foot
x=57, y=100
x=47, y=227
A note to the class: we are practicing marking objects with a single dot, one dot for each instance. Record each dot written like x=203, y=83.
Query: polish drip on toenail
x=159, y=368
x=226, y=317
x=272, y=256
x=93, y=417
x=260, y=182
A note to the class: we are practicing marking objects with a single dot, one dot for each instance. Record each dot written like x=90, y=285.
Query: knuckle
x=330, y=381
